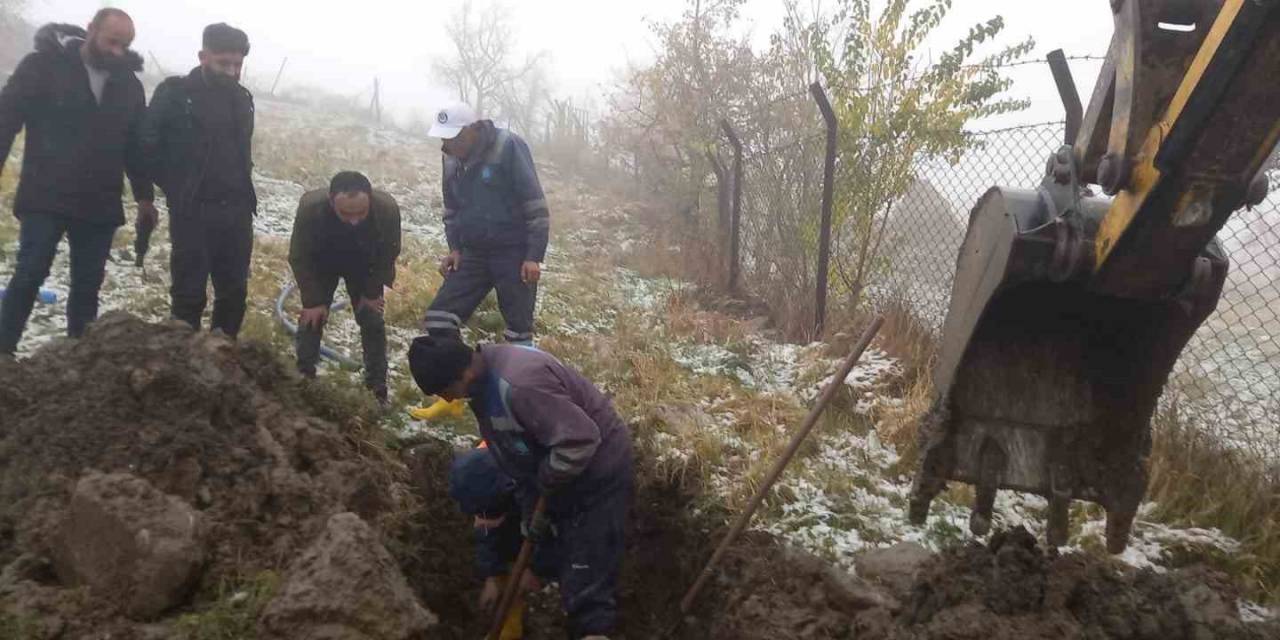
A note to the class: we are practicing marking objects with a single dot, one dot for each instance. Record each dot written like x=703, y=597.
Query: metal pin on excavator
x=1069, y=310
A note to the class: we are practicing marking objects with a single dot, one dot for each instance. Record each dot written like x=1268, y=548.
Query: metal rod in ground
x=776, y=472
x=278, y=74
x=517, y=576
x=828, y=195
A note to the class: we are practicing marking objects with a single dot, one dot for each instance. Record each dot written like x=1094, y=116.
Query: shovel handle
x=517, y=574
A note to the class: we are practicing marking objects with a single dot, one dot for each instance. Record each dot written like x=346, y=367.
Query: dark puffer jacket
x=178, y=137
x=77, y=150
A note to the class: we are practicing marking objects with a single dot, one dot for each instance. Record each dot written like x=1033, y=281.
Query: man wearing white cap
x=496, y=222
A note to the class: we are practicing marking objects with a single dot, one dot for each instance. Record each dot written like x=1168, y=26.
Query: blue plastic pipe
x=46, y=296
x=326, y=352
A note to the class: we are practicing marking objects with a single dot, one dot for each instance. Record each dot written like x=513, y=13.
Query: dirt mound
x=224, y=428
x=1010, y=589
x=209, y=463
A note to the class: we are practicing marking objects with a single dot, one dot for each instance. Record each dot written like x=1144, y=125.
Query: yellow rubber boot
x=441, y=409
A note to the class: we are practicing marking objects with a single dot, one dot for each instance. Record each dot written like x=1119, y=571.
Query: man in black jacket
x=198, y=134
x=82, y=106
x=350, y=232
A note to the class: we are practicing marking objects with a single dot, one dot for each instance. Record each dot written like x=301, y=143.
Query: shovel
x=517, y=574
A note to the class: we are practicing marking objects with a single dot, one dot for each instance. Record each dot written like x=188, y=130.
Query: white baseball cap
x=451, y=120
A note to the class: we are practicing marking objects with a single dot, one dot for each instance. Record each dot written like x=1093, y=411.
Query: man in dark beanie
x=82, y=105
x=350, y=232
x=558, y=436
x=198, y=133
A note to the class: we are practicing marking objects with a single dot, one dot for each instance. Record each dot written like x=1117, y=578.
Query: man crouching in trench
x=556, y=435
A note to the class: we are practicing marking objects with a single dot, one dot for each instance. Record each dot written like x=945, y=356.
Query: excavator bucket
x=1044, y=386
x=1070, y=308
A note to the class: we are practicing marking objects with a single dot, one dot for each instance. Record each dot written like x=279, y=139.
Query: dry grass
x=312, y=155
x=909, y=339
x=684, y=317
x=676, y=247
x=899, y=426
x=1198, y=481
x=8, y=187
x=270, y=273
x=417, y=279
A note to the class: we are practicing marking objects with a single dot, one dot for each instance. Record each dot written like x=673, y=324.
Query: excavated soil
x=227, y=428
x=1007, y=589
x=266, y=460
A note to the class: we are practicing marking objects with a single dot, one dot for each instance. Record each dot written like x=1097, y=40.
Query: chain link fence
x=1229, y=375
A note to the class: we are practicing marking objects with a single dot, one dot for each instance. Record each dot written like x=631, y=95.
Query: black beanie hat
x=437, y=363
x=222, y=38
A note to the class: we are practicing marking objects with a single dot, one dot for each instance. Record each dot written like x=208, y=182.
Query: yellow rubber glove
x=513, y=628
x=441, y=409
x=513, y=625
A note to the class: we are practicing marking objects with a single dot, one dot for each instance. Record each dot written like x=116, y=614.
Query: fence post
x=278, y=74
x=735, y=219
x=828, y=194
x=722, y=204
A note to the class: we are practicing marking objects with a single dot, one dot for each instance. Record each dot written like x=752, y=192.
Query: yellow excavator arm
x=1069, y=308
x=1199, y=160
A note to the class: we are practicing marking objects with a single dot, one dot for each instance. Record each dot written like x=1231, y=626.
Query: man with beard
x=350, y=232
x=198, y=133
x=82, y=107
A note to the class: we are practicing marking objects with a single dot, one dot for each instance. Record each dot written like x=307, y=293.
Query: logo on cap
x=443, y=117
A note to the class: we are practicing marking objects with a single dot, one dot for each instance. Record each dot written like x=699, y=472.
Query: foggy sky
x=343, y=45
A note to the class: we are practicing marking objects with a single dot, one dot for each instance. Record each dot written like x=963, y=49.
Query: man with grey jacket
x=558, y=436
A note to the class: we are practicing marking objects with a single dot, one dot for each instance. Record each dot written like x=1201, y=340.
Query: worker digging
x=559, y=439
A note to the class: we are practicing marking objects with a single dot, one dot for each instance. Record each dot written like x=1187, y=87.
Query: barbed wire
x=1031, y=61
x=1019, y=63
x=821, y=135
x=1020, y=127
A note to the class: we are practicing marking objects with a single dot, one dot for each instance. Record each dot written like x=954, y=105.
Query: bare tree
x=482, y=68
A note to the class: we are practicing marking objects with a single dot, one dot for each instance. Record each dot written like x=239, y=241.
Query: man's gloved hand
x=537, y=528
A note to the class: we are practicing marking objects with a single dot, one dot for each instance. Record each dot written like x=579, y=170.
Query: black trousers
x=373, y=337
x=38, y=238
x=592, y=541
x=211, y=241
x=464, y=290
